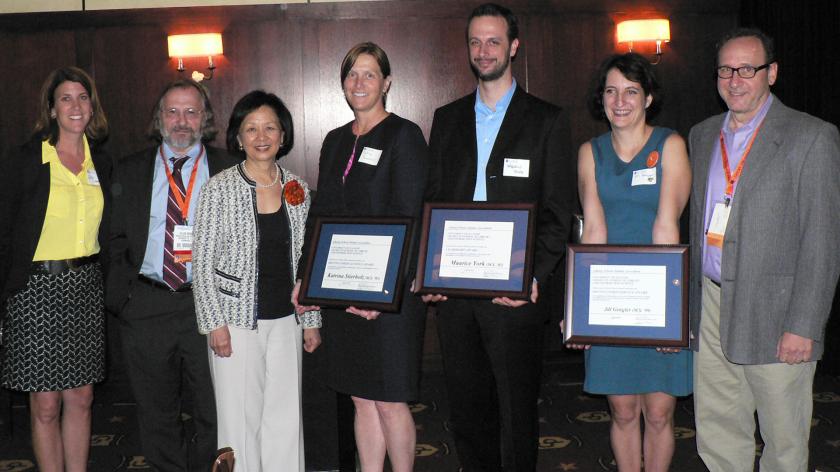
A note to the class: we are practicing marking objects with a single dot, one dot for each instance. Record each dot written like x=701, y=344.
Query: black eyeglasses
x=744, y=72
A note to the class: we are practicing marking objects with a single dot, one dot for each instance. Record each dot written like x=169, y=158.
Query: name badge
x=717, y=225
x=644, y=177
x=182, y=241
x=516, y=167
x=370, y=156
x=93, y=177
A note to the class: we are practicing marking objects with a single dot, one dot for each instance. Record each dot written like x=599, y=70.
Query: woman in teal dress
x=634, y=182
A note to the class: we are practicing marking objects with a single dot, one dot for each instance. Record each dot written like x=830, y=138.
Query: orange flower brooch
x=293, y=193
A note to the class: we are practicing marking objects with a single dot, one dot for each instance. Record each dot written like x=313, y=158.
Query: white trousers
x=258, y=396
x=727, y=396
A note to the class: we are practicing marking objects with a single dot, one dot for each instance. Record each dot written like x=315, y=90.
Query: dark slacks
x=492, y=358
x=163, y=351
x=327, y=419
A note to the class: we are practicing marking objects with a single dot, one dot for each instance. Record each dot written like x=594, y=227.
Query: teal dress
x=630, y=211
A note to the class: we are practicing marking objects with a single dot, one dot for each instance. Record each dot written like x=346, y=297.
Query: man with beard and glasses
x=499, y=144
x=155, y=193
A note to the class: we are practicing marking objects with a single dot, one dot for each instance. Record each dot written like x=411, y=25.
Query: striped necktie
x=174, y=273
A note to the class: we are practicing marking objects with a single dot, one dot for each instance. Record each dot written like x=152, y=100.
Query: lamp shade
x=192, y=45
x=643, y=30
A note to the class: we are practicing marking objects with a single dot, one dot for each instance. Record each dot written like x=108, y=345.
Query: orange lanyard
x=732, y=178
x=183, y=202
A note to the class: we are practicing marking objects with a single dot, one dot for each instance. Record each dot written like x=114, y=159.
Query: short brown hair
x=741, y=32
x=208, y=123
x=365, y=48
x=633, y=67
x=46, y=126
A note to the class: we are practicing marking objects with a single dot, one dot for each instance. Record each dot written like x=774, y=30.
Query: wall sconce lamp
x=196, y=45
x=645, y=30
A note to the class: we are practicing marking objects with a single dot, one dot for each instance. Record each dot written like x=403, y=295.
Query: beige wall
x=124, y=4
x=33, y=6
x=30, y=6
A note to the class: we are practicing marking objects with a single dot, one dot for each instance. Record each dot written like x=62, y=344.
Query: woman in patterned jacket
x=249, y=233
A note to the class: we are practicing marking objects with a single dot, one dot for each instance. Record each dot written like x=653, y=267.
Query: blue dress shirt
x=153, y=261
x=487, y=124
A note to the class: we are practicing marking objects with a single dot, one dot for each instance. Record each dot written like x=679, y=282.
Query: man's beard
x=179, y=142
x=495, y=73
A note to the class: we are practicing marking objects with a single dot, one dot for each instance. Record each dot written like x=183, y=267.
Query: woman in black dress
x=373, y=166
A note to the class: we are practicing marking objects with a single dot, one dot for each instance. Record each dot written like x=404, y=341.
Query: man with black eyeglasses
x=765, y=262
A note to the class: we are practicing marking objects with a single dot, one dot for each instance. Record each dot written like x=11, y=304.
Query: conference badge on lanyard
x=717, y=225
x=182, y=235
x=720, y=214
x=182, y=242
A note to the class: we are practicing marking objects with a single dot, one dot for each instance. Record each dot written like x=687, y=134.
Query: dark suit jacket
x=392, y=187
x=24, y=193
x=532, y=130
x=781, y=251
x=132, y=198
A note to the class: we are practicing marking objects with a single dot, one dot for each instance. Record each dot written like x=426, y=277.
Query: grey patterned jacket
x=225, y=250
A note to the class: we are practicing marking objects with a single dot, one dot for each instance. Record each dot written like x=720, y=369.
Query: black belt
x=62, y=266
x=154, y=283
x=716, y=284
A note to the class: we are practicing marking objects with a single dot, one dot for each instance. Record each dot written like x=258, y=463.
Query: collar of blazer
x=761, y=159
x=137, y=175
x=515, y=119
x=765, y=150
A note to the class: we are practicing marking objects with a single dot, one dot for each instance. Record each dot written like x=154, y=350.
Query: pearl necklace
x=272, y=184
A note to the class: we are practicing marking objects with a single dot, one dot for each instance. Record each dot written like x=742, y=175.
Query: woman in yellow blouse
x=53, y=195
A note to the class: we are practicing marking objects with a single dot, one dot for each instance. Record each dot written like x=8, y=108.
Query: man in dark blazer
x=499, y=144
x=149, y=288
x=765, y=260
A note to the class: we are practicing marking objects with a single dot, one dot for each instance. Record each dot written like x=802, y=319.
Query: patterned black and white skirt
x=54, y=335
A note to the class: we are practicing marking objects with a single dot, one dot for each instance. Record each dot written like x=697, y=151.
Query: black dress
x=378, y=359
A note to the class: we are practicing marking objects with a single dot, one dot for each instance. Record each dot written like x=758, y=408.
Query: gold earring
x=240, y=147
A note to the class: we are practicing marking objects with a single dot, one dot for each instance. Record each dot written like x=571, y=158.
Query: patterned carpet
x=574, y=427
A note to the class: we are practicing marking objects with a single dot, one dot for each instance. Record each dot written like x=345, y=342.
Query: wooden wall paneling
x=264, y=55
x=335, y=38
x=687, y=70
x=28, y=58
x=132, y=68
x=295, y=50
x=421, y=46
x=311, y=90
x=83, y=41
x=453, y=76
x=562, y=51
